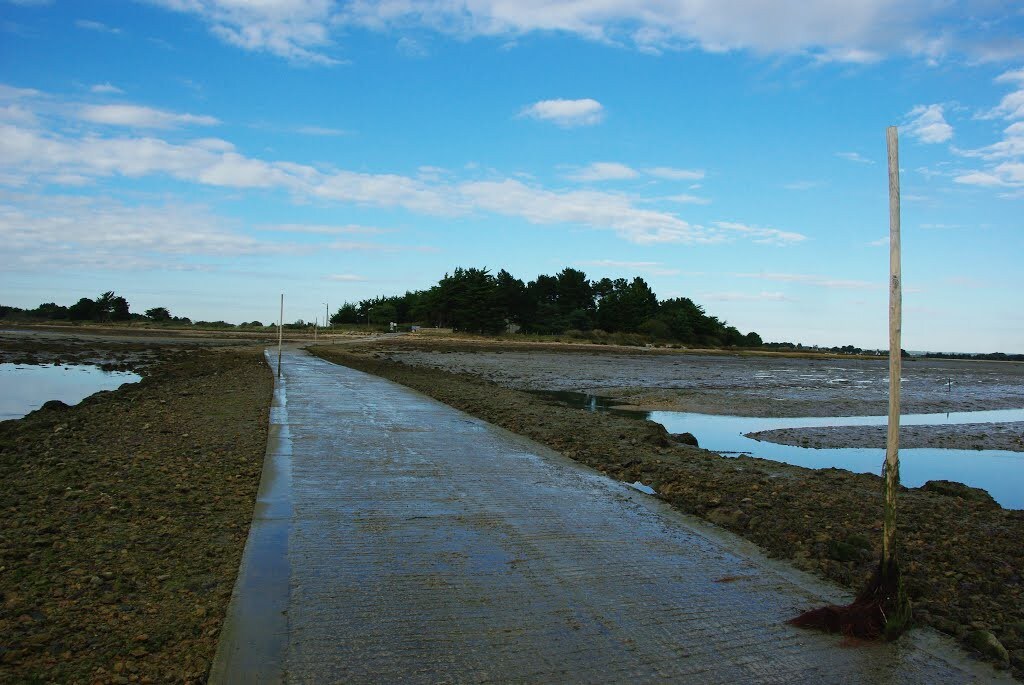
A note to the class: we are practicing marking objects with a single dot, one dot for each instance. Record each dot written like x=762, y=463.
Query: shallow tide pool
x=26, y=387
x=999, y=472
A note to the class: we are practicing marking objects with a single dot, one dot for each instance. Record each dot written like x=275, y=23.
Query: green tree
x=159, y=314
x=346, y=314
x=83, y=310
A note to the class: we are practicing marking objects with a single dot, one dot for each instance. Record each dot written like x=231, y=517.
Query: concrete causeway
x=398, y=540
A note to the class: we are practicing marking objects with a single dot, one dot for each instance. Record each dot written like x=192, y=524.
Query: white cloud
x=106, y=88
x=321, y=131
x=927, y=124
x=297, y=30
x=855, y=157
x=411, y=48
x=881, y=242
x=90, y=25
x=346, y=278
x=1010, y=107
x=141, y=117
x=603, y=171
x=813, y=280
x=32, y=156
x=651, y=268
x=765, y=236
x=322, y=229
x=687, y=199
x=76, y=231
x=853, y=32
x=673, y=174
x=566, y=113
x=746, y=297
x=801, y=185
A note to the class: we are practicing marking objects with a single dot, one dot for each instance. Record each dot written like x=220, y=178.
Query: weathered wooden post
x=892, y=584
x=882, y=608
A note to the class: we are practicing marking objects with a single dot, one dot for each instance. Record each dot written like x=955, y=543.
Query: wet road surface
x=399, y=540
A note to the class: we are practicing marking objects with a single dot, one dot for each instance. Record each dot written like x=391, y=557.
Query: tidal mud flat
x=961, y=552
x=749, y=385
x=125, y=515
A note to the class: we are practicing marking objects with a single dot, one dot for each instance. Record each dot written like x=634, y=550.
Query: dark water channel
x=26, y=387
x=999, y=472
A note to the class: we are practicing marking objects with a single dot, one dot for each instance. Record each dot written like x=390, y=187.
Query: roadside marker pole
x=280, y=334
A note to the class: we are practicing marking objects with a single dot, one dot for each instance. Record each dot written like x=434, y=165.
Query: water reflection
x=999, y=472
x=25, y=387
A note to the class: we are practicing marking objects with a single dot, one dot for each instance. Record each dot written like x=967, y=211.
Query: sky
x=208, y=155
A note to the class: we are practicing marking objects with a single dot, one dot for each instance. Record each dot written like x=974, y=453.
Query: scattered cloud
x=881, y=242
x=813, y=280
x=765, y=236
x=409, y=47
x=1012, y=104
x=746, y=297
x=566, y=113
x=825, y=32
x=801, y=185
x=322, y=229
x=855, y=157
x=603, y=171
x=651, y=268
x=297, y=30
x=687, y=199
x=137, y=116
x=106, y=89
x=321, y=131
x=927, y=124
x=90, y=25
x=86, y=232
x=29, y=155
x=673, y=174
x=346, y=278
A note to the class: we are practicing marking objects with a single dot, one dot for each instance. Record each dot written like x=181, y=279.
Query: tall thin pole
x=280, y=336
x=892, y=460
x=327, y=314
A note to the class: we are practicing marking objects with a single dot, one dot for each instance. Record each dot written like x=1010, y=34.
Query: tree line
x=476, y=301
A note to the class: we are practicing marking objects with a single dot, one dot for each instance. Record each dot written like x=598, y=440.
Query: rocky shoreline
x=961, y=555
x=125, y=516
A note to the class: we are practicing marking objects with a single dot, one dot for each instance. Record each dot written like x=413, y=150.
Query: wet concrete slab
x=399, y=540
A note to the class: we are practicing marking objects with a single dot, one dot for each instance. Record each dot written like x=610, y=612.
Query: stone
x=685, y=438
x=987, y=643
x=950, y=488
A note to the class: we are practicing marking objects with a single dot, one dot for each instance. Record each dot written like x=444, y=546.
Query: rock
x=55, y=405
x=986, y=643
x=951, y=488
x=684, y=438
x=726, y=517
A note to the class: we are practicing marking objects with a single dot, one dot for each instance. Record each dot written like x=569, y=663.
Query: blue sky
x=207, y=155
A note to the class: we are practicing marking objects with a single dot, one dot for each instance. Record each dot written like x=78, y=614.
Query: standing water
x=26, y=387
x=1000, y=472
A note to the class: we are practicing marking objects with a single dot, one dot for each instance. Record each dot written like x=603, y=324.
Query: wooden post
x=892, y=460
x=280, y=335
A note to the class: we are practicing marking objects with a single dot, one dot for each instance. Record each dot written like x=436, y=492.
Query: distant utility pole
x=280, y=336
x=327, y=316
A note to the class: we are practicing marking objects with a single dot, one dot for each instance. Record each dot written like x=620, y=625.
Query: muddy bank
x=962, y=556
x=121, y=351
x=745, y=385
x=976, y=436
x=125, y=517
